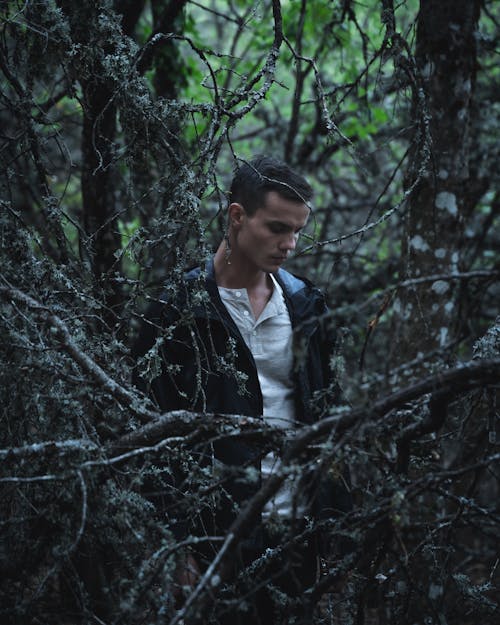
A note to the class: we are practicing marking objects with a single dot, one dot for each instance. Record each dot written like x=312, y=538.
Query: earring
x=227, y=251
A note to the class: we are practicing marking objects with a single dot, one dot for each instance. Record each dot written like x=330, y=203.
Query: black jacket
x=198, y=344
x=203, y=363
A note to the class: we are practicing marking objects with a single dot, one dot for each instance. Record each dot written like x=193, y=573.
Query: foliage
x=121, y=125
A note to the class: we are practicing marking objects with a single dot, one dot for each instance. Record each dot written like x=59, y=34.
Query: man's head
x=253, y=180
x=267, y=211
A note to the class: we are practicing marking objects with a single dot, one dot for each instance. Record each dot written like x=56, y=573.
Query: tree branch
x=116, y=390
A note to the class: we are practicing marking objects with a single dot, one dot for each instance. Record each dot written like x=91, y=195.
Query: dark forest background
x=121, y=123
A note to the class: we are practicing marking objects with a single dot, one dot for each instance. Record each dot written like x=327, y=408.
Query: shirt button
x=238, y=293
x=246, y=313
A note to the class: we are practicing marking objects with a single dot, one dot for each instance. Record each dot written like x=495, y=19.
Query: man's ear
x=236, y=214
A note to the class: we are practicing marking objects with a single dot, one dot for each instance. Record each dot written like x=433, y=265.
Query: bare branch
x=88, y=365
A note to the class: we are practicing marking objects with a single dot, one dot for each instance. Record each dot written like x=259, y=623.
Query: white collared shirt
x=269, y=338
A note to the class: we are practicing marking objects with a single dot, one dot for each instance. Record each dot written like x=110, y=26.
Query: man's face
x=265, y=239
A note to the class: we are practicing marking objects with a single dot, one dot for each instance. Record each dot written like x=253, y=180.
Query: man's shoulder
x=175, y=294
x=202, y=274
x=193, y=274
x=305, y=298
x=295, y=284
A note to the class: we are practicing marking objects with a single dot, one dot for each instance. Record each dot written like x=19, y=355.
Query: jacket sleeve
x=321, y=370
x=330, y=359
x=163, y=359
x=334, y=496
x=162, y=369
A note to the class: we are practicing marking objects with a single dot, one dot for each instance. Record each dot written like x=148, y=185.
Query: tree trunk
x=446, y=59
x=99, y=127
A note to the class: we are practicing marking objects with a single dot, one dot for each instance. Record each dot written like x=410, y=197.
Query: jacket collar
x=305, y=302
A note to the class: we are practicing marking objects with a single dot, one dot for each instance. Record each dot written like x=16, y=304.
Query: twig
x=88, y=365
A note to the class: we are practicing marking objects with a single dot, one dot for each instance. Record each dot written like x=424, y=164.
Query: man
x=244, y=337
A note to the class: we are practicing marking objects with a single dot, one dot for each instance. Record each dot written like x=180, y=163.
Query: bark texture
x=446, y=63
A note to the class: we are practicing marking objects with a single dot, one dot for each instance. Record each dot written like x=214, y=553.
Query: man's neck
x=238, y=275
x=235, y=275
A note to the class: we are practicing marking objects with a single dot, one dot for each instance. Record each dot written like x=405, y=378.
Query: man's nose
x=289, y=242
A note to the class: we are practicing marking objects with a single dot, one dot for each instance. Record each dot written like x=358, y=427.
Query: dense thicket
x=121, y=124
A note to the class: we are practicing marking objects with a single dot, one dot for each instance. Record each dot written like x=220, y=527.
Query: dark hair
x=252, y=180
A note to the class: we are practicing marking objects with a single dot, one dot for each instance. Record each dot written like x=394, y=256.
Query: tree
x=448, y=192
x=121, y=123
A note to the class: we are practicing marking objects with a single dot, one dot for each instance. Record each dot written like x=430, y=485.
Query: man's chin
x=275, y=263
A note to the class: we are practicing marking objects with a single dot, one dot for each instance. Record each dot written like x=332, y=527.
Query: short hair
x=253, y=179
